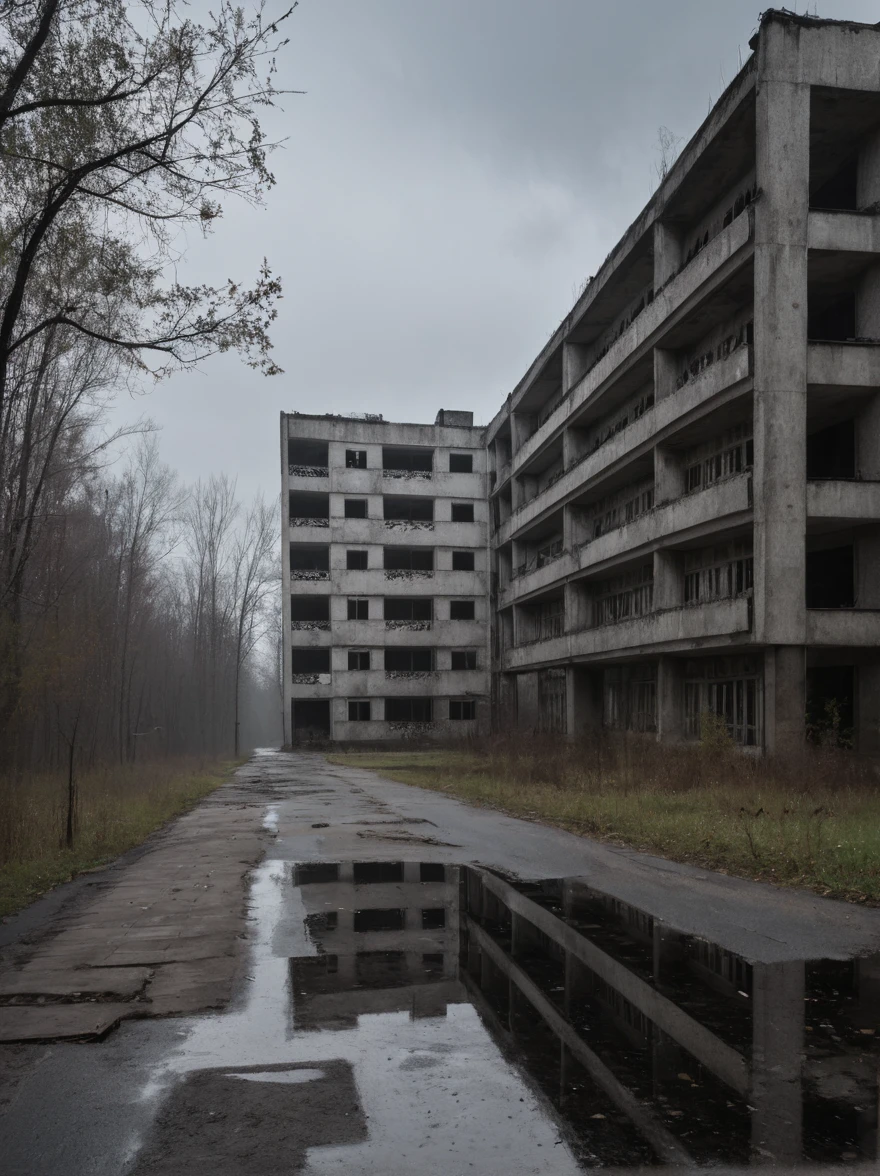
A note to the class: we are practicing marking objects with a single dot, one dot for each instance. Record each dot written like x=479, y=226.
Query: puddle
x=406, y=1017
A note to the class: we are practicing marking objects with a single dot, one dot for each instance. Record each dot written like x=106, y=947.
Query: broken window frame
x=463, y=710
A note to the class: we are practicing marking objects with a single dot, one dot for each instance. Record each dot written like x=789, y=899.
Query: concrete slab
x=121, y=983
x=62, y=1022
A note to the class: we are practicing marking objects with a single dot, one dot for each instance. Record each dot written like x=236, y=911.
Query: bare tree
x=255, y=575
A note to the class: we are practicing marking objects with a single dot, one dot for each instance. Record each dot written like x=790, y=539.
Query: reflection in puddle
x=466, y=1024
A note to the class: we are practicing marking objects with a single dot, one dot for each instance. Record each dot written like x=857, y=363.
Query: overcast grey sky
x=453, y=173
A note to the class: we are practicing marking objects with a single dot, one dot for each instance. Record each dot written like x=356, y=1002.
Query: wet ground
x=432, y=988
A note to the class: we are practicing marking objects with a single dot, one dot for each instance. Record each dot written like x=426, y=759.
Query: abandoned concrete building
x=386, y=630
x=684, y=488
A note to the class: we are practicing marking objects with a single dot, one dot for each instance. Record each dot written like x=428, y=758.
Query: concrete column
x=667, y=253
x=868, y=708
x=868, y=172
x=868, y=567
x=574, y=364
x=665, y=373
x=670, y=699
x=520, y=430
x=583, y=701
x=868, y=304
x=785, y=699
x=669, y=483
x=780, y=349
x=867, y=427
x=777, y=1045
x=668, y=582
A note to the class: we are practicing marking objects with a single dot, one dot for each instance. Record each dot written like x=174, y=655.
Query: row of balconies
x=842, y=232
x=367, y=633
x=439, y=484
x=373, y=683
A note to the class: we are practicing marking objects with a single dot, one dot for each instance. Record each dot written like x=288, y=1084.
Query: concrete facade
x=684, y=485
x=385, y=578
x=684, y=489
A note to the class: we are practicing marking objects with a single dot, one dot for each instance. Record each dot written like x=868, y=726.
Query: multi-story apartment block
x=386, y=577
x=684, y=488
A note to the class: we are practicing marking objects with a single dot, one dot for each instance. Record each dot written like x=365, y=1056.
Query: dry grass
x=118, y=808
x=814, y=823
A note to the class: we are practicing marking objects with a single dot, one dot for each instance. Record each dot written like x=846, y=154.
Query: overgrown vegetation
x=117, y=808
x=811, y=822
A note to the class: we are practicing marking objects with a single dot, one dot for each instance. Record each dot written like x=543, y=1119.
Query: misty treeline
x=130, y=606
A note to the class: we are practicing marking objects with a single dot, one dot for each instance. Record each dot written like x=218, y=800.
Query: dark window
x=434, y=919
x=355, y=459
x=310, y=608
x=359, y=659
x=831, y=453
x=356, y=561
x=412, y=510
x=432, y=962
x=464, y=708
x=359, y=710
x=830, y=697
x=461, y=463
x=830, y=578
x=315, y=873
x=310, y=661
x=462, y=512
x=408, y=608
x=831, y=317
x=432, y=872
x=311, y=718
x=355, y=508
x=840, y=191
x=464, y=659
x=359, y=610
x=309, y=559
x=405, y=659
x=304, y=505
x=376, y=920
x=365, y=872
x=381, y=969
x=410, y=559
x=408, y=710
x=397, y=457
x=312, y=454
x=461, y=610
x=462, y=561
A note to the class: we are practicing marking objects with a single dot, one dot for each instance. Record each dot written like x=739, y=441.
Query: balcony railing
x=407, y=574
x=304, y=471
x=308, y=521
x=409, y=475
x=409, y=675
x=310, y=626
x=408, y=626
x=309, y=574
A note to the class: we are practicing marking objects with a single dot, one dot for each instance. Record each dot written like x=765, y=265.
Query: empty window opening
x=831, y=578
x=462, y=512
x=838, y=192
x=831, y=452
x=718, y=573
x=310, y=661
x=381, y=969
x=461, y=610
x=355, y=508
x=307, y=455
x=462, y=561
x=830, y=710
x=434, y=919
x=310, y=608
x=305, y=505
x=403, y=660
x=379, y=920
x=734, y=454
x=464, y=659
x=409, y=559
x=359, y=659
x=358, y=608
x=408, y=608
x=359, y=710
x=365, y=872
x=315, y=873
x=729, y=687
x=547, y=619
x=309, y=559
x=625, y=597
x=462, y=709
x=407, y=460
x=311, y=718
x=412, y=510
x=432, y=872
x=408, y=710
x=551, y=700
x=831, y=318
x=355, y=459
x=432, y=962
x=629, y=698
x=356, y=561
x=461, y=463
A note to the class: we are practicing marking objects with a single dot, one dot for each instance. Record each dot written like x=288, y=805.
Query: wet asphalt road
x=294, y=1077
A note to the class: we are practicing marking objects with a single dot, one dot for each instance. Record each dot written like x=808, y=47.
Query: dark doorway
x=831, y=578
x=830, y=705
x=311, y=719
x=831, y=453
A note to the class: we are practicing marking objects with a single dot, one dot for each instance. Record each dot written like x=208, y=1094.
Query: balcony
x=844, y=501
x=308, y=471
x=310, y=574
x=858, y=627
x=710, y=263
x=843, y=365
x=843, y=232
x=687, y=627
